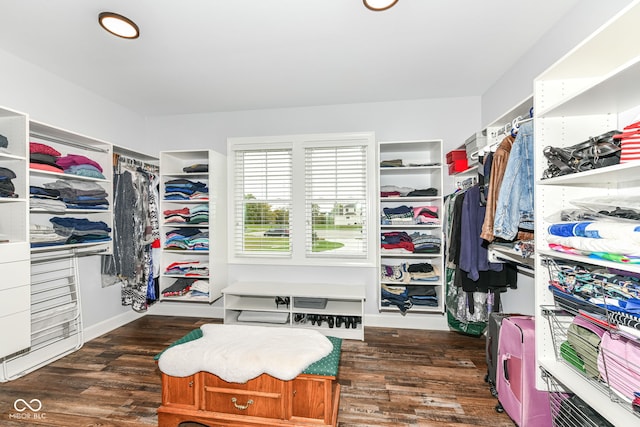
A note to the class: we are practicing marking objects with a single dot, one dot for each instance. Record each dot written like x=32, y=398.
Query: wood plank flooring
x=396, y=377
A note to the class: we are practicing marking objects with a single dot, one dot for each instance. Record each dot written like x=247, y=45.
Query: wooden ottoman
x=310, y=399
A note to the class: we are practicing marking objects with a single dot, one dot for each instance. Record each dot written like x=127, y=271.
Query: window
x=303, y=199
x=263, y=202
x=336, y=201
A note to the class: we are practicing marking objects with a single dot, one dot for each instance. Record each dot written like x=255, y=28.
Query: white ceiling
x=198, y=56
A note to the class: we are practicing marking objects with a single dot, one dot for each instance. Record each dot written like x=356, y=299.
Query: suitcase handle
x=505, y=369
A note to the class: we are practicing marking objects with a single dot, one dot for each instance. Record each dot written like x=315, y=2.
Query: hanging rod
x=515, y=123
x=69, y=143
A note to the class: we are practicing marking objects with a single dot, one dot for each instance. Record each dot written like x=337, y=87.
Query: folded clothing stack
x=7, y=189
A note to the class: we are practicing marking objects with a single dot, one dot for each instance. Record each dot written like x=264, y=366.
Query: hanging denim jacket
x=515, y=201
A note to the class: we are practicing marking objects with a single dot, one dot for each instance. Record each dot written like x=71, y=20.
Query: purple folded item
x=76, y=159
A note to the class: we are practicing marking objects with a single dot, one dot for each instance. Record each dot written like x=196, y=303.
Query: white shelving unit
x=421, y=169
x=42, y=317
x=583, y=95
x=69, y=143
x=172, y=164
x=14, y=237
x=343, y=300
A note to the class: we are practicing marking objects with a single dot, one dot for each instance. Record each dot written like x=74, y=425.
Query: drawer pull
x=241, y=407
x=190, y=383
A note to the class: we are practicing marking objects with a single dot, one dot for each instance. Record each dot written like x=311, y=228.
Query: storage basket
x=568, y=410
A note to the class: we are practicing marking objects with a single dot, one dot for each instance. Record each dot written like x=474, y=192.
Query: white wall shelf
x=428, y=154
x=583, y=95
x=343, y=300
x=70, y=143
x=172, y=164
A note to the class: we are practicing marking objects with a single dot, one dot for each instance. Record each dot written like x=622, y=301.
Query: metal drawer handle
x=241, y=407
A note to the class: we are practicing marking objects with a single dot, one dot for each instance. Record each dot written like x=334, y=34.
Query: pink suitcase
x=516, y=374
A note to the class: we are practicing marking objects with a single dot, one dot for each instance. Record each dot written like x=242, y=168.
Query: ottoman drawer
x=263, y=396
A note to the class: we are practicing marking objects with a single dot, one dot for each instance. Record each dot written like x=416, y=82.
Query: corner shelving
x=415, y=164
x=574, y=101
x=206, y=259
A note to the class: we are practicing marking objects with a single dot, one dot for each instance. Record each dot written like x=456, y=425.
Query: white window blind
x=262, y=198
x=336, y=201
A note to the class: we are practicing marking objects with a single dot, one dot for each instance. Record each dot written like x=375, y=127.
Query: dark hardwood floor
x=396, y=377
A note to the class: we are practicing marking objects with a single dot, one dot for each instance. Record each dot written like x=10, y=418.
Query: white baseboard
x=165, y=308
x=437, y=323
x=94, y=331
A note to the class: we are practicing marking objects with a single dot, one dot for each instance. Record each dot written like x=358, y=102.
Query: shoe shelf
x=274, y=304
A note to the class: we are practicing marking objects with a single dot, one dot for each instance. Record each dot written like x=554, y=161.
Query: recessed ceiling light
x=119, y=25
x=379, y=5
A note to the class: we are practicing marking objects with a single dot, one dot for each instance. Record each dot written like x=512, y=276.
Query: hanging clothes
x=136, y=232
x=473, y=283
x=514, y=208
x=498, y=166
x=458, y=316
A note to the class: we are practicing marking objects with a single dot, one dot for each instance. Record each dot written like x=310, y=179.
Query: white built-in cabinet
x=14, y=236
x=339, y=314
x=580, y=96
x=213, y=201
x=411, y=164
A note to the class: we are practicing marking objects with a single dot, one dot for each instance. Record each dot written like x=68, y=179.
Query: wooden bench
x=310, y=399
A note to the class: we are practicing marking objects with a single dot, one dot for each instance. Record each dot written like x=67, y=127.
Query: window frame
x=298, y=144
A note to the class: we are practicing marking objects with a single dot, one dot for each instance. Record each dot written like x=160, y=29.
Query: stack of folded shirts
x=81, y=230
x=185, y=189
x=397, y=216
x=423, y=271
x=200, y=288
x=426, y=215
x=198, y=214
x=396, y=241
x=42, y=235
x=7, y=189
x=44, y=157
x=629, y=143
x=424, y=295
x=196, y=168
x=46, y=198
x=188, y=268
x=425, y=243
x=178, y=288
x=80, y=194
x=192, y=239
x=76, y=164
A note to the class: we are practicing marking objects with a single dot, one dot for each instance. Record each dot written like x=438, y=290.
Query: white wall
x=56, y=102
x=450, y=119
x=517, y=83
